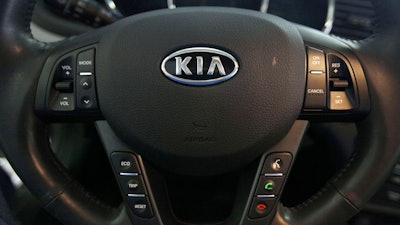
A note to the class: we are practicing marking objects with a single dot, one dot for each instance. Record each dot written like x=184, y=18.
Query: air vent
x=354, y=19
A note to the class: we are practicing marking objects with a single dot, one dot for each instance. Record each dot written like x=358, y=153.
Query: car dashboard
x=352, y=19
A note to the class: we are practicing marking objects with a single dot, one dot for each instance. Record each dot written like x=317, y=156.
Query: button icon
x=86, y=83
x=133, y=184
x=140, y=206
x=261, y=207
x=269, y=186
x=65, y=102
x=277, y=164
x=125, y=164
x=86, y=101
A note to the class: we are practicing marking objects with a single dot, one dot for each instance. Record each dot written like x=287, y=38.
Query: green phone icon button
x=269, y=186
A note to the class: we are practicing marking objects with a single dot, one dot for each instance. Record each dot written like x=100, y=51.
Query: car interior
x=194, y=112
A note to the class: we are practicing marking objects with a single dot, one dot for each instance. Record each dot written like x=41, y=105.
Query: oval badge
x=199, y=66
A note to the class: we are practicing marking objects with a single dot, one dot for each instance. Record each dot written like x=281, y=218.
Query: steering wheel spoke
x=67, y=84
x=336, y=87
x=147, y=201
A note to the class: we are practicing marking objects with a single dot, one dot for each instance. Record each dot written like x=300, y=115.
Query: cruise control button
x=124, y=163
x=339, y=84
x=338, y=68
x=140, y=206
x=315, y=92
x=277, y=164
x=339, y=101
x=316, y=60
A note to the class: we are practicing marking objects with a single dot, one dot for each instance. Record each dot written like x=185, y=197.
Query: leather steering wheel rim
x=24, y=136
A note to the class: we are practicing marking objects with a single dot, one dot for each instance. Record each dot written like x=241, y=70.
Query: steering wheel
x=200, y=91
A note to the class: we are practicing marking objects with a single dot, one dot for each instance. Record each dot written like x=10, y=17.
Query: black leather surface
x=377, y=147
x=24, y=140
x=24, y=137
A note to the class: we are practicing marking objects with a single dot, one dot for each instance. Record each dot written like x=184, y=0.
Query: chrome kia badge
x=199, y=66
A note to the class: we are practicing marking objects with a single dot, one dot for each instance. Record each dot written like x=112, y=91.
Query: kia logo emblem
x=199, y=66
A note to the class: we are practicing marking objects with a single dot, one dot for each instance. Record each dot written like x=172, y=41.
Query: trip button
x=277, y=164
x=132, y=184
x=125, y=163
x=140, y=206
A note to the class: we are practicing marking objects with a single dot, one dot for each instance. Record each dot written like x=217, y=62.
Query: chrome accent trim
x=129, y=174
x=85, y=73
x=330, y=17
x=110, y=4
x=264, y=6
x=200, y=82
x=136, y=195
x=318, y=72
x=171, y=4
x=273, y=175
x=200, y=64
x=265, y=196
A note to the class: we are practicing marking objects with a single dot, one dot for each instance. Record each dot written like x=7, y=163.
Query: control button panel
x=73, y=82
x=316, y=80
x=330, y=83
x=85, y=91
x=269, y=184
x=131, y=181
